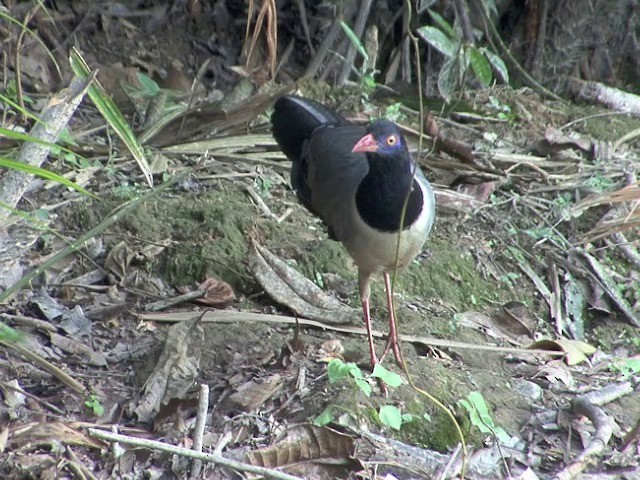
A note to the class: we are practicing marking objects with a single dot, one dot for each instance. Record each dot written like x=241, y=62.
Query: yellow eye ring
x=391, y=140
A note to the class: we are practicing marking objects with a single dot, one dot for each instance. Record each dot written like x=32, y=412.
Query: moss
x=602, y=127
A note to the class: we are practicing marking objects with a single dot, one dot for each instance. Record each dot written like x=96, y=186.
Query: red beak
x=366, y=144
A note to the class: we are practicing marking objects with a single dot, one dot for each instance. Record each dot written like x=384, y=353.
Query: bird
x=356, y=180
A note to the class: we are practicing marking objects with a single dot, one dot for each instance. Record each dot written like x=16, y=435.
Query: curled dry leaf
x=304, y=446
x=216, y=293
x=219, y=293
x=330, y=350
x=50, y=435
x=288, y=287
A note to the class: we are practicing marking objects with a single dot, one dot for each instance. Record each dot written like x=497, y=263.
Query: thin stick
x=185, y=452
x=198, y=433
x=169, y=302
x=230, y=316
x=61, y=375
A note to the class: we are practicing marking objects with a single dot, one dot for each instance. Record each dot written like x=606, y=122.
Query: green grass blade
x=9, y=18
x=355, y=40
x=28, y=138
x=112, y=115
x=23, y=111
x=41, y=172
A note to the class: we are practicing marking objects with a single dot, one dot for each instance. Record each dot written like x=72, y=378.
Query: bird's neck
x=382, y=192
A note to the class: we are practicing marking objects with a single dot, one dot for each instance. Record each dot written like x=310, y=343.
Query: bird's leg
x=365, y=292
x=392, y=342
x=367, y=324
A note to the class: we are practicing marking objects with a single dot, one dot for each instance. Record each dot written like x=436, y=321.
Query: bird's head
x=382, y=136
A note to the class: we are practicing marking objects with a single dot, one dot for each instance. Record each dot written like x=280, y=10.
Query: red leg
x=367, y=324
x=392, y=342
x=363, y=281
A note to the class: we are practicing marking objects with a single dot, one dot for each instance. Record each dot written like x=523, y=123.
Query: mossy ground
x=210, y=233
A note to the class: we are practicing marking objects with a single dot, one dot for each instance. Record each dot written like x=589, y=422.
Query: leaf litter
x=546, y=207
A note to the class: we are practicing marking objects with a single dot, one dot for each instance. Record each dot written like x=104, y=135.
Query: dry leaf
x=219, y=293
x=575, y=350
x=176, y=369
x=288, y=287
x=253, y=394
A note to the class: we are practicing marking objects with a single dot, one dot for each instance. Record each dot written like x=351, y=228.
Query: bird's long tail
x=294, y=119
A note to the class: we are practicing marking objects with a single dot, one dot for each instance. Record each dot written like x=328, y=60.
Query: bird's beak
x=366, y=144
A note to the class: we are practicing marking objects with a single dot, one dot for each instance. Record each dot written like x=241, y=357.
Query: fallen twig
x=64, y=377
x=169, y=302
x=185, y=452
x=230, y=316
x=198, y=432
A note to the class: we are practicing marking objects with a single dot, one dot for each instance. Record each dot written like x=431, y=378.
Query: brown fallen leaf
x=176, y=370
x=218, y=292
x=575, y=350
x=50, y=435
x=293, y=290
x=250, y=396
x=305, y=448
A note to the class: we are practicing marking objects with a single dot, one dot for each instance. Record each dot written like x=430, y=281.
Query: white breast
x=374, y=250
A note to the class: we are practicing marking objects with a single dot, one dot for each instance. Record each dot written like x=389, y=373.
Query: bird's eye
x=392, y=140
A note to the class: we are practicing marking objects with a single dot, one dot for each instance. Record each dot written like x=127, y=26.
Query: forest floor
x=507, y=317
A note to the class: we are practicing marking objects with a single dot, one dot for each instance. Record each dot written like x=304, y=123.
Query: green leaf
x=480, y=66
x=442, y=23
x=390, y=378
x=28, y=138
x=41, y=172
x=149, y=87
x=325, y=418
x=627, y=367
x=481, y=418
x=355, y=40
x=8, y=334
x=498, y=64
x=392, y=112
x=17, y=107
x=390, y=416
x=364, y=386
x=448, y=77
x=407, y=418
x=93, y=403
x=438, y=40
x=337, y=370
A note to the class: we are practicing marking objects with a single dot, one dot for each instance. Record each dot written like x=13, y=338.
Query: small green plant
x=502, y=110
x=389, y=415
x=509, y=278
x=459, y=57
x=480, y=417
x=264, y=185
x=626, y=367
x=367, y=79
x=93, y=404
x=393, y=112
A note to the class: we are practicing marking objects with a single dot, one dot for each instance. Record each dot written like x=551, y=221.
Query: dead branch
x=185, y=452
x=588, y=405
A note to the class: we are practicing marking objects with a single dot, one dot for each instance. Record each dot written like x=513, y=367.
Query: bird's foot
x=392, y=344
